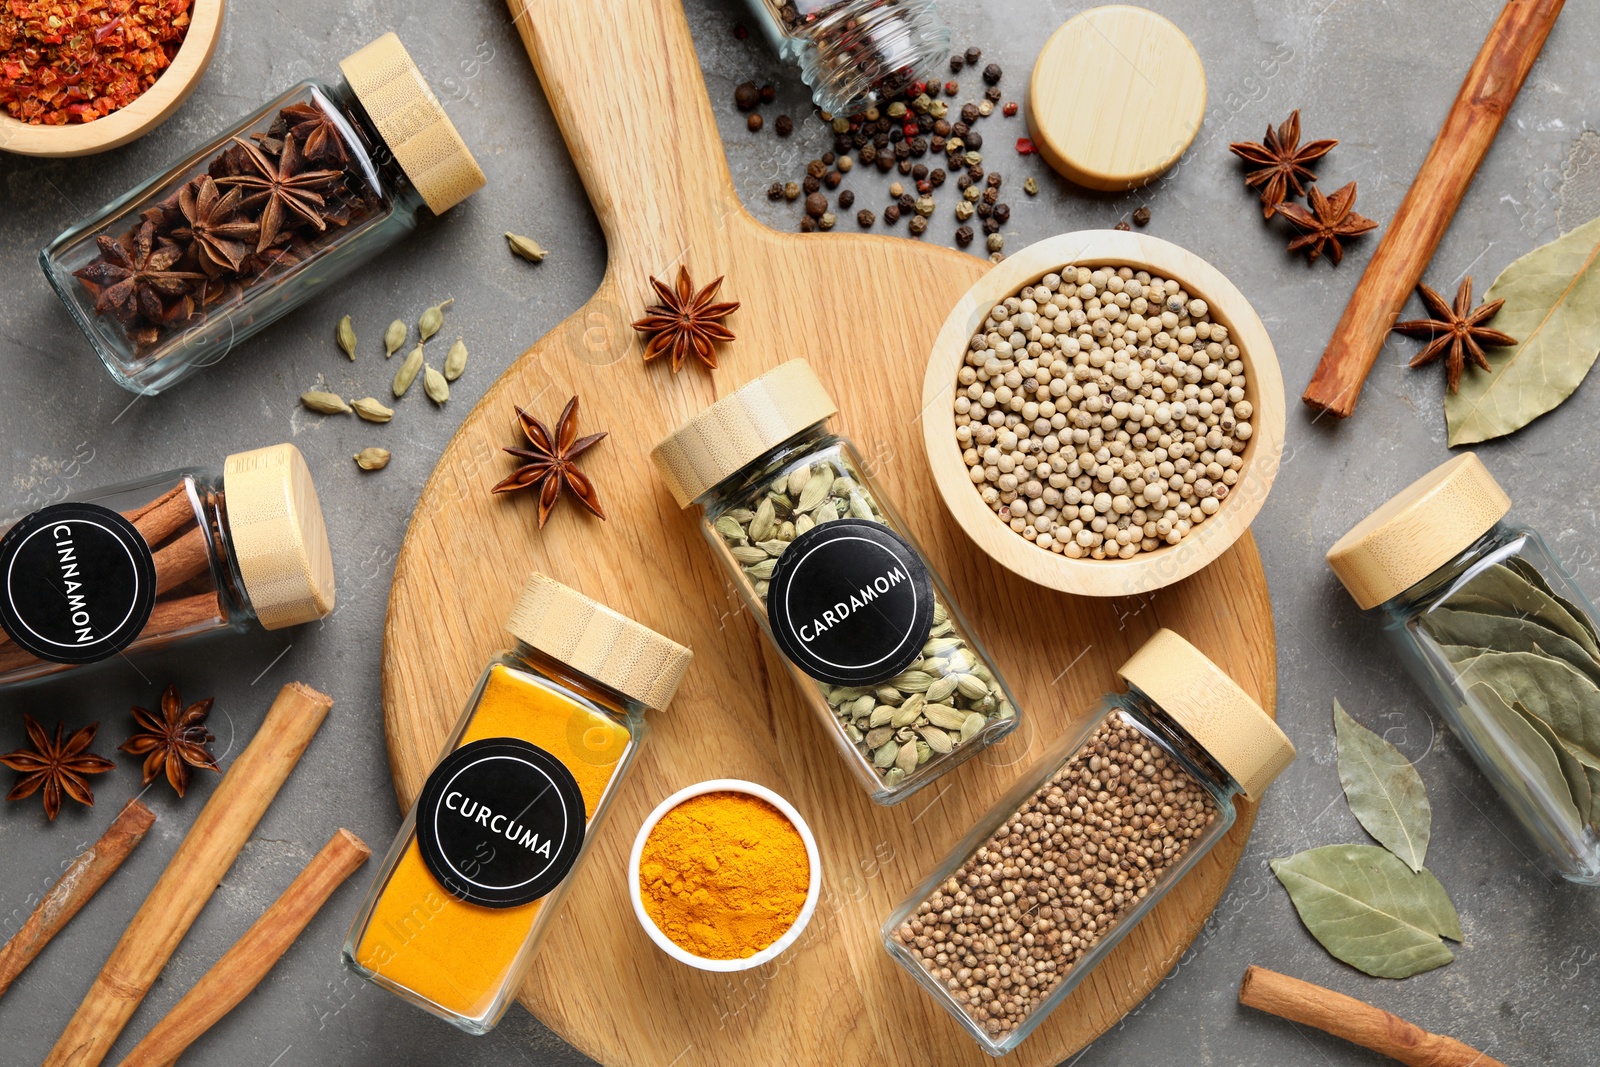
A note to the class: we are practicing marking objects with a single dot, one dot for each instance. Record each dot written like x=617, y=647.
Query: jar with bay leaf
x=837, y=582
x=1490, y=625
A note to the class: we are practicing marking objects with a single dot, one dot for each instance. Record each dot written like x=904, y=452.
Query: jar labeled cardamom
x=141, y=565
x=1494, y=631
x=167, y=278
x=1086, y=843
x=484, y=857
x=837, y=582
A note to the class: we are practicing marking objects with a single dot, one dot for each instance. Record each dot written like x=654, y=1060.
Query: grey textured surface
x=1379, y=75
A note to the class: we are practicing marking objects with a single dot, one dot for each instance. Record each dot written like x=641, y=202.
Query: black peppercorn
x=920, y=171
x=810, y=184
x=897, y=135
x=925, y=123
x=784, y=125
x=885, y=162
x=891, y=214
x=962, y=182
x=991, y=74
x=969, y=114
x=963, y=235
x=991, y=195
x=846, y=198
x=865, y=218
x=1141, y=217
x=902, y=151
x=1002, y=213
x=746, y=96
x=993, y=94
x=808, y=224
x=972, y=55
x=936, y=177
x=994, y=181
x=919, y=146
x=984, y=210
x=769, y=93
x=816, y=168
x=754, y=122
x=991, y=225
x=832, y=179
x=942, y=128
x=956, y=63
x=905, y=166
x=775, y=191
x=907, y=202
x=816, y=204
x=975, y=173
x=828, y=158
x=868, y=153
x=881, y=140
x=974, y=140
x=936, y=144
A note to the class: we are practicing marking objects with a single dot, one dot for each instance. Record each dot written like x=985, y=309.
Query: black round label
x=500, y=822
x=851, y=602
x=77, y=583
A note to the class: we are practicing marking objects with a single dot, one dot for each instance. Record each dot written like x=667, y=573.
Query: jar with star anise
x=168, y=278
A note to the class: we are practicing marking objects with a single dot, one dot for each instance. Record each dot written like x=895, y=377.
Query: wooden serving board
x=625, y=85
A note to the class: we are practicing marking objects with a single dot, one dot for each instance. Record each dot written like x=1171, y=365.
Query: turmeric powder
x=724, y=875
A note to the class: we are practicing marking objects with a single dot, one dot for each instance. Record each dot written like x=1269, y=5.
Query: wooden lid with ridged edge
x=280, y=543
x=412, y=123
x=1116, y=96
x=1418, y=530
x=753, y=419
x=1212, y=709
x=597, y=642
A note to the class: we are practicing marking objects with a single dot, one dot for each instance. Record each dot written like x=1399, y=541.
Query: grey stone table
x=1377, y=75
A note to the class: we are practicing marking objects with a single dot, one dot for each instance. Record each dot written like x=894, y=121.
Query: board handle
x=625, y=85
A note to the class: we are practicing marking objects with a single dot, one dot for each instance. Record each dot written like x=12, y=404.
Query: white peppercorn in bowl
x=1157, y=557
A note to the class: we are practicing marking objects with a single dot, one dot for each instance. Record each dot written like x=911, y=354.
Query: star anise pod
x=1281, y=162
x=130, y=279
x=219, y=238
x=174, y=740
x=293, y=196
x=685, y=321
x=1455, y=332
x=1329, y=219
x=56, y=766
x=550, y=462
x=317, y=133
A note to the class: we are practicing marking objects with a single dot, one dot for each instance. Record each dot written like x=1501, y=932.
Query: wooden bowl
x=150, y=110
x=1148, y=570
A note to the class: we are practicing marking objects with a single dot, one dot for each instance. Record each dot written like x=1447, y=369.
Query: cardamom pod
x=766, y=517
x=906, y=759
x=937, y=645
x=748, y=554
x=859, y=509
x=882, y=715
x=912, y=681
x=945, y=717
x=942, y=689
x=893, y=776
x=890, y=695
x=762, y=570
x=815, y=490
x=940, y=615
x=795, y=484
x=884, y=756
x=878, y=735
x=924, y=753
x=1005, y=711
x=526, y=247
x=435, y=386
x=432, y=319
x=937, y=739
x=906, y=714
x=370, y=409
x=408, y=372
x=741, y=515
x=372, y=459
x=393, y=338
x=971, y=687
x=975, y=722
x=827, y=513
x=787, y=531
x=324, y=403
x=346, y=336
x=455, y=361
x=772, y=548
x=861, y=707
x=853, y=734
x=802, y=524
x=729, y=529
x=841, y=486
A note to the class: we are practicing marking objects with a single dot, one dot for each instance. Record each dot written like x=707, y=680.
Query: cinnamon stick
x=1355, y=1021
x=244, y=965
x=169, y=616
x=181, y=559
x=1407, y=247
x=82, y=879
x=208, y=850
x=164, y=516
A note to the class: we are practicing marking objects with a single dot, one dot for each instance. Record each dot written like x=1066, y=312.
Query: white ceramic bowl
x=813, y=890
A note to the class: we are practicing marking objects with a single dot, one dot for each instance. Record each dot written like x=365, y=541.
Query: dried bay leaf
x=1384, y=791
x=1537, y=580
x=1498, y=589
x=1370, y=910
x=1527, y=763
x=1571, y=768
x=1549, y=688
x=1552, y=307
x=1503, y=633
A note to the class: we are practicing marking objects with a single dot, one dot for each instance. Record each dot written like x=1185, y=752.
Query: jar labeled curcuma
x=832, y=573
x=1492, y=628
x=1086, y=843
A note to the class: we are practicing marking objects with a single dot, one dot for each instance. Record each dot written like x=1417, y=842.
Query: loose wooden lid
x=280, y=543
x=412, y=123
x=1116, y=96
x=598, y=642
x=1212, y=709
x=1418, y=530
x=751, y=420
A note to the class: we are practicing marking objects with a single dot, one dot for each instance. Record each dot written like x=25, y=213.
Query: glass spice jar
x=1086, y=843
x=854, y=53
x=479, y=868
x=141, y=565
x=1491, y=627
x=837, y=582
x=168, y=278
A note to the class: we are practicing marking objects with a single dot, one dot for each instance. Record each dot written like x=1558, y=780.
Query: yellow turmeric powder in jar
x=724, y=875
x=487, y=852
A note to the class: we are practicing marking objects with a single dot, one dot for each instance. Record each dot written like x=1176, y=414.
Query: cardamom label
x=77, y=583
x=850, y=602
x=500, y=822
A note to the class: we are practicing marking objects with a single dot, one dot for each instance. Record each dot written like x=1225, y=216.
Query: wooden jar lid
x=1116, y=97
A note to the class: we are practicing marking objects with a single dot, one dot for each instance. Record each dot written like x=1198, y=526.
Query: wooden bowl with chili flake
x=1154, y=563
x=138, y=117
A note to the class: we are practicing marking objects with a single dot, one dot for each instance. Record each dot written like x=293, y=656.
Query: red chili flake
x=1024, y=147
x=1010, y=109
x=64, y=61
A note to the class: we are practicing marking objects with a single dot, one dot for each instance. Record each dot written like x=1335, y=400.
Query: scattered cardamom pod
x=408, y=372
x=432, y=319
x=370, y=409
x=455, y=361
x=394, y=337
x=372, y=459
x=435, y=386
x=346, y=336
x=324, y=403
x=526, y=247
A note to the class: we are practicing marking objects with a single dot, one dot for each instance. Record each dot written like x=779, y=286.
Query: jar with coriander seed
x=1086, y=843
x=1491, y=627
x=836, y=580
